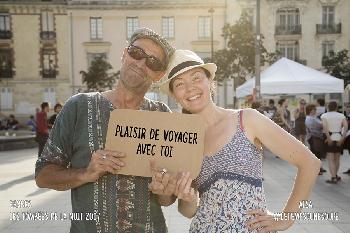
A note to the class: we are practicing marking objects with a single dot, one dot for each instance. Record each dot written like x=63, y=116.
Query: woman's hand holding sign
x=185, y=190
x=187, y=194
x=167, y=186
x=163, y=184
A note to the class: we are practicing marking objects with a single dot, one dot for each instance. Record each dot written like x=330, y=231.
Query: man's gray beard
x=140, y=89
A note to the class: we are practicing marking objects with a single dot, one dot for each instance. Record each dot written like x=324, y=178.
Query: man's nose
x=141, y=63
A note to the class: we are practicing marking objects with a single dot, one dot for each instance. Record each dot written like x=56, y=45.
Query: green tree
x=237, y=61
x=98, y=77
x=338, y=65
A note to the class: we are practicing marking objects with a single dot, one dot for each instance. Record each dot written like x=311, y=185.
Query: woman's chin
x=193, y=109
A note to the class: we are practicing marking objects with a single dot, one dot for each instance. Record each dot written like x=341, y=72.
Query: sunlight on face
x=188, y=78
x=192, y=89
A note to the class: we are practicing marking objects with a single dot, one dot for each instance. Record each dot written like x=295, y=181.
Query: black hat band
x=182, y=66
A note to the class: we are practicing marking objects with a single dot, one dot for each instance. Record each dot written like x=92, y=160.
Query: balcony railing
x=5, y=35
x=49, y=73
x=6, y=73
x=328, y=28
x=288, y=29
x=47, y=35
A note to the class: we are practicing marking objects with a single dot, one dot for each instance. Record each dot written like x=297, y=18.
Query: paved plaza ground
x=17, y=183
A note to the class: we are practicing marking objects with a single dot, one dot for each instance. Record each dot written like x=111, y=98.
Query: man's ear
x=124, y=54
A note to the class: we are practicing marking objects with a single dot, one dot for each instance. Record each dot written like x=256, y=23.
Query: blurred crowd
x=10, y=122
x=323, y=128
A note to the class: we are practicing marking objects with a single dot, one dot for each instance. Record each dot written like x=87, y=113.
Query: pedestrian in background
x=42, y=130
x=12, y=122
x=300, y=116
x=320, y=107
x=56, y=109
x=31, y=123
x=270, y=110
x=346, y=144
x=282, y=117
x=314, y=133
x=258, y=106
x=335, y=127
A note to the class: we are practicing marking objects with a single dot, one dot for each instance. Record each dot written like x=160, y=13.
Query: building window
x=6, y=98
x=328, y=15
x=92, y=56
x=5, y=31
x=47, y=26
x=204, y=27
x=132, y=23
x=49, y=63
x=327, y=47
x=50, y=96
x=6, y=63
x=4, y=22
x=96, y=28
x=288, y=22
x=168, y=26
x=203, y=55
x=288, y=17
x=289, y=50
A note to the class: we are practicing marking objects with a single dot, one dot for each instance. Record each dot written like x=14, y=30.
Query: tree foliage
x=98, y=77
x=237, y=61
x=338, y=65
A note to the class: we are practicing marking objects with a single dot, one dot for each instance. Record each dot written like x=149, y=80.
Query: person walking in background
x=42, y=130
x=300, y=116
x=270, y=110
x=320, y=107
x=56, y=109
x=258, y=106
x=282, y=116
x=335, y=127
x=314, y=133
x=346, y=144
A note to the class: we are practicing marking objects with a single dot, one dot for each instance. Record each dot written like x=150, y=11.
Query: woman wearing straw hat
x=230, y=186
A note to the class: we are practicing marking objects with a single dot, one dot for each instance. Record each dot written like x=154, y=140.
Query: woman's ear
x=212, y=87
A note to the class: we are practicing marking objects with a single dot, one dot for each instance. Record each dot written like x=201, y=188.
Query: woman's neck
x=211, y=114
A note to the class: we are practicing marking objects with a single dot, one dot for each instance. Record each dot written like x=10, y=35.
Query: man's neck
x=125, y=99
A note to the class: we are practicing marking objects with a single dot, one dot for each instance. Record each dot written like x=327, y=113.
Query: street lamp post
x=257, y=53
x=211, y=11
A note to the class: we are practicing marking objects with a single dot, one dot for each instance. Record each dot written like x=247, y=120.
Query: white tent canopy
x=289, y=77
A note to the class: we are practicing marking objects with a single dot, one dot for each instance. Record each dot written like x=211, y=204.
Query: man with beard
x=74, y=156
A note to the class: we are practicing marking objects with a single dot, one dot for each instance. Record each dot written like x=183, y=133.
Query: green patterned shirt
x=122, y=203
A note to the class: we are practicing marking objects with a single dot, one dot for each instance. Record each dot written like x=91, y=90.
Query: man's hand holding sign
x=103, y=161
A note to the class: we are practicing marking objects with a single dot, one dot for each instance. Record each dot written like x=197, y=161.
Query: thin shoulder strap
x=240, y=119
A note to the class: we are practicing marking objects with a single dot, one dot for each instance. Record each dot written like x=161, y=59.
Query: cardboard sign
x=175, y=141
